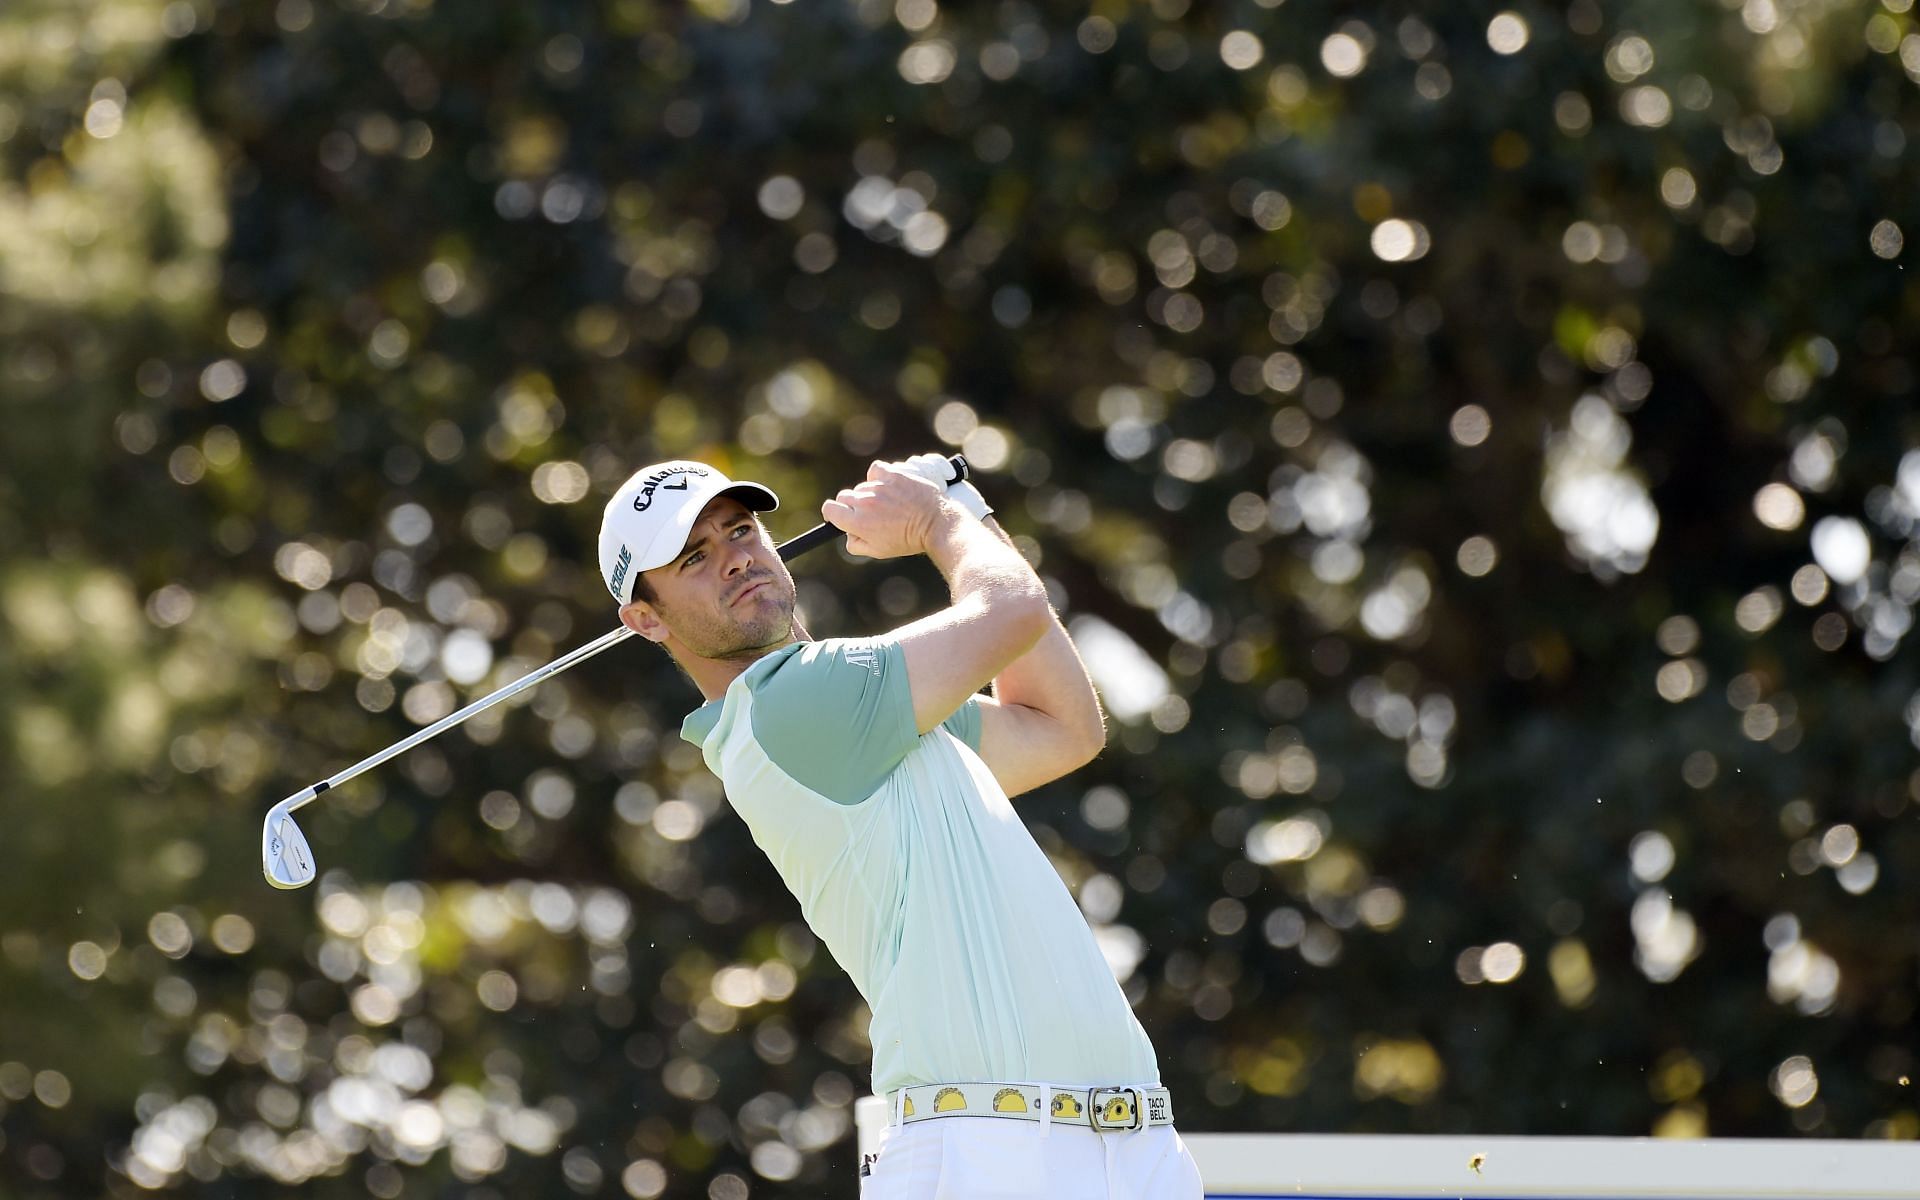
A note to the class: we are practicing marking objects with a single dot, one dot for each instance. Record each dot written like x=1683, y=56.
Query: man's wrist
x=947, y=529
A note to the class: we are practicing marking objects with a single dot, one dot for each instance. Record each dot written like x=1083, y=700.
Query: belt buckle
x=1115, y=1108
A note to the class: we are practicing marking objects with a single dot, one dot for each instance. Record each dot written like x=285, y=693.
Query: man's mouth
x=749, y=590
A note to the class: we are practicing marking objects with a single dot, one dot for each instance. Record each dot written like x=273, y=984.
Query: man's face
x=727, y=594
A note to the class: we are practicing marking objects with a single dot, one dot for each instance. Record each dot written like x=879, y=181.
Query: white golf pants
x=984, y=1158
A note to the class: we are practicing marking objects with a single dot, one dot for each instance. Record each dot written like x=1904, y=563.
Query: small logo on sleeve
x=863, y=656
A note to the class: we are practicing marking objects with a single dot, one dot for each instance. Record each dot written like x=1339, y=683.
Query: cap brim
x=756, y=496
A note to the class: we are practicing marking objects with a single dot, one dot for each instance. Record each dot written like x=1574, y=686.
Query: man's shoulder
x=836, y=714
x=824, y=681
x=698, y=725
x=808, y=662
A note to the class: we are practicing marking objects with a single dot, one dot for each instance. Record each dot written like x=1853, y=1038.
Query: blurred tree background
x=1474, y=445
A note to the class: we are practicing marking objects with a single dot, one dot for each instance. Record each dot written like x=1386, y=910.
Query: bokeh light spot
x=1507, y=33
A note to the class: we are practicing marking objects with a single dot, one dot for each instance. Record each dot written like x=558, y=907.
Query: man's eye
x=693, y=558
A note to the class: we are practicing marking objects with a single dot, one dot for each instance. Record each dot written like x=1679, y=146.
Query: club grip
x=821, y=534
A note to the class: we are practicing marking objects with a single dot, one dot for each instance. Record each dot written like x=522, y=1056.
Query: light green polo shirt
x=911, y=866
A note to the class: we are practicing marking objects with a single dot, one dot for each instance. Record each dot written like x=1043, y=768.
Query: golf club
x=285, y=857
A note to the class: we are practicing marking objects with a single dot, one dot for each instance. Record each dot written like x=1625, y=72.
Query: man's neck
x=713, y=675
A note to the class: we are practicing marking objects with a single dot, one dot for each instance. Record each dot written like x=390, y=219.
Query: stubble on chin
x=756, y=636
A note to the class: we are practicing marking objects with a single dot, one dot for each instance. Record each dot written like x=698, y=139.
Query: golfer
x=875, y=777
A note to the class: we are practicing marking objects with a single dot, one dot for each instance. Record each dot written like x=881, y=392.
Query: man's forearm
x=979, y=563
x=1050, y=678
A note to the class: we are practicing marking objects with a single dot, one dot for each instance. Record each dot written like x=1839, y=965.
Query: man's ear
x=643, y=620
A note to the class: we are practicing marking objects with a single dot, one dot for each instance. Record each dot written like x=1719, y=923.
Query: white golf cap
x=647, y=521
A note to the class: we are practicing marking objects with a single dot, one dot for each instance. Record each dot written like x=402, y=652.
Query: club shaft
x=572, y=658
x=817, y=536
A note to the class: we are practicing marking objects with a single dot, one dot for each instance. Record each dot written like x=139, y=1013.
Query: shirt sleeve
x=838, y=716
x=965, y=723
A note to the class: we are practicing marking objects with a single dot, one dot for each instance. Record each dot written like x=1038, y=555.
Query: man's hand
x=892, y=515
x=962, y=492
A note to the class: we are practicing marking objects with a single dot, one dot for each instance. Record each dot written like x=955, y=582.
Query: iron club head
x=285, y=857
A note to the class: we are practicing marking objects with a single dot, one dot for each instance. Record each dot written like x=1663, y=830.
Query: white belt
x=1102, y=1108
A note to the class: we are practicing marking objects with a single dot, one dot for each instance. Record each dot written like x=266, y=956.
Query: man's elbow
x=1028, y=615
x=1089, y=739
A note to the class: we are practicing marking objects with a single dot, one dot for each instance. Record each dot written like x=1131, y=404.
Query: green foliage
x=1480, y=445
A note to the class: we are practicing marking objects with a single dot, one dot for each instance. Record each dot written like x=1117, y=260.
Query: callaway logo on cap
x=647, y=521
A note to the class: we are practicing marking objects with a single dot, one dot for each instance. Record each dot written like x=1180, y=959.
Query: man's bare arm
x=1044, y=719
x=999, y=608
